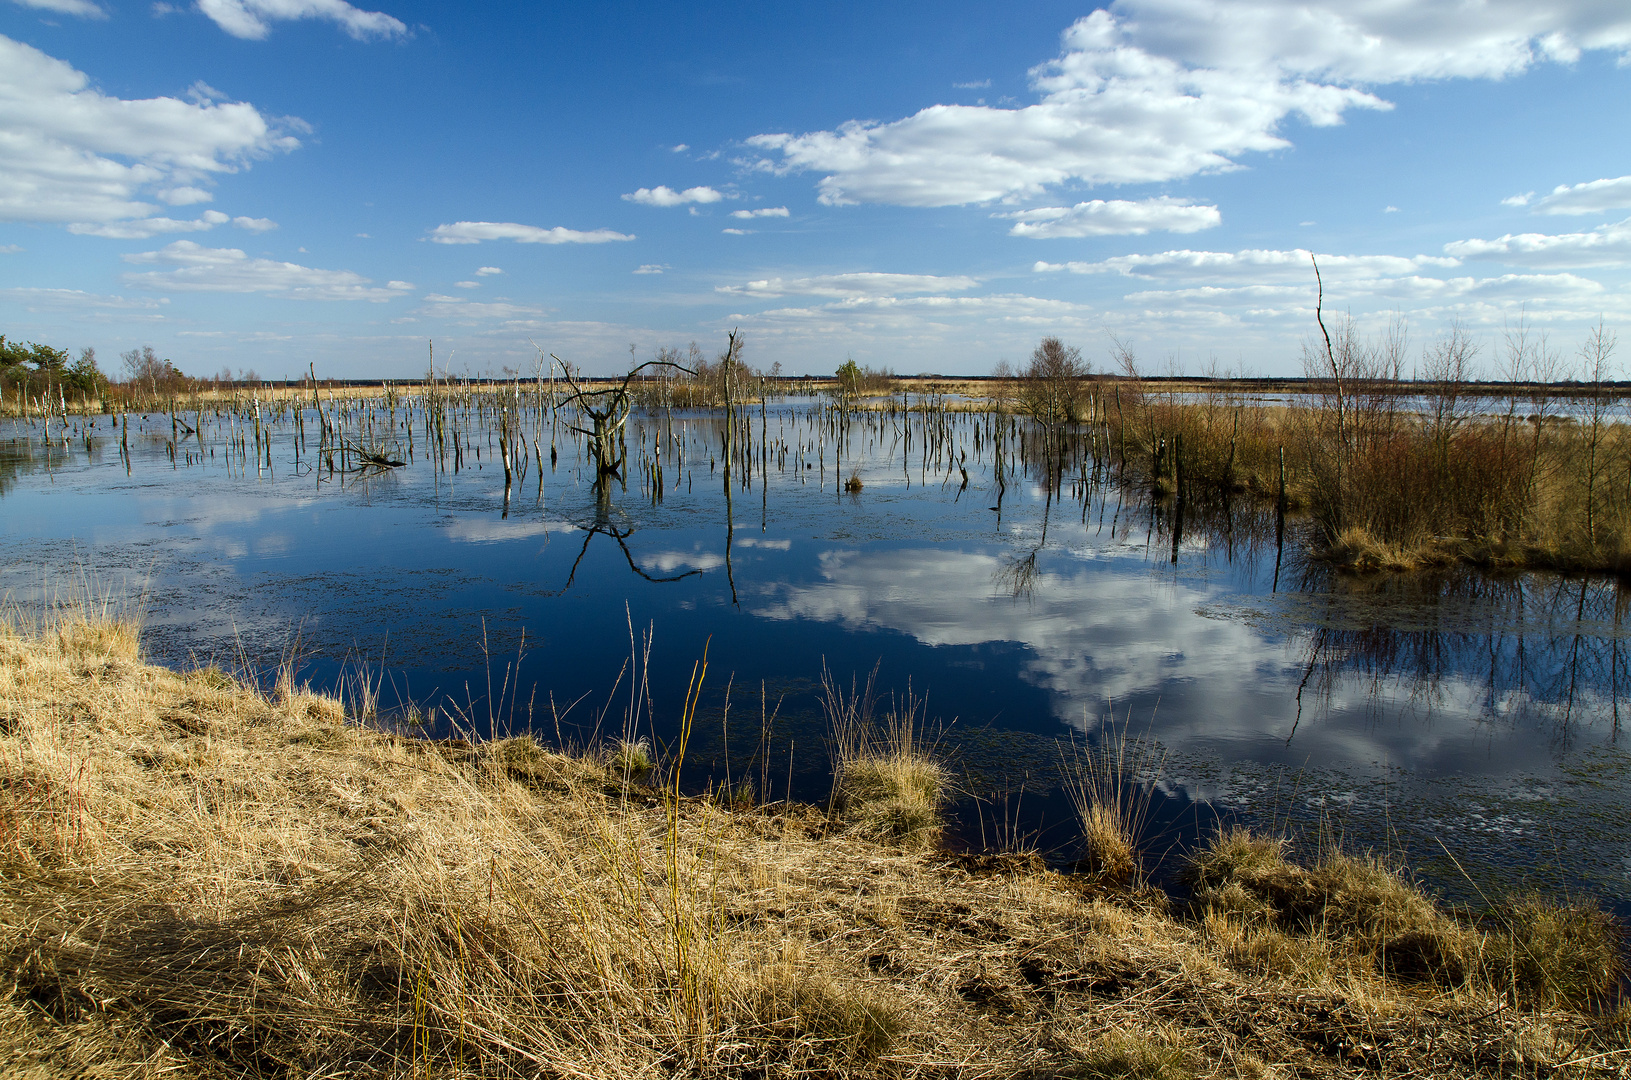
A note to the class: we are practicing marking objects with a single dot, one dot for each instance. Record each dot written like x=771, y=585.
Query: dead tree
x=608, y=411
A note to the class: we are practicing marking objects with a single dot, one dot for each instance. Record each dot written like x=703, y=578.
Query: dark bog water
x=1449, y=719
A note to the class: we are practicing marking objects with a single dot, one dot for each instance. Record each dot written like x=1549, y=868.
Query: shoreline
x=202, y=879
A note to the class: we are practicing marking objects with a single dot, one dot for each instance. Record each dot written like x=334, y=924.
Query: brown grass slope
x=199, y=881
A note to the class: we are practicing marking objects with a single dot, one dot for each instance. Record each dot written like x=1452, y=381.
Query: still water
x=1467, y=723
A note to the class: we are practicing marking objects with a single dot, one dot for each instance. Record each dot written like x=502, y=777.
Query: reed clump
x=1400, y=463
x=202, y=879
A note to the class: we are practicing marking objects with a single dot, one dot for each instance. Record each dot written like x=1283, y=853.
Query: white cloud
x=32, y=299
x=472, y=312
x=252, y=19
x=679, y=148
x=666, y=562
x=737, y=232
x=1592, y=197
x=474, y=232
x=10, y=249
x=1154, y=90
x=467, y=284
x=202, y=269
x=1258, y=264
x=186, y=195
x=761, y=544
x=487, y=271
x=143, y=228
x=1607, y=245
x=1116, y=217
x=83, y=8
x=651, y=268
x=850, y=285
x=667, y=196
x=762, y=212
x=1412, y=289
x=1518, y=200
x=1390, y=209
x=73, y=154
x=983, y=84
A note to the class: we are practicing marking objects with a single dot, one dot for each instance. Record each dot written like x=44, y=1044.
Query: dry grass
x=197, y=880
x=1351, y=912
x=1110, y=785
x=887, y=784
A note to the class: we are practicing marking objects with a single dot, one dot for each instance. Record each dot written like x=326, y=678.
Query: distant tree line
x=34, y=369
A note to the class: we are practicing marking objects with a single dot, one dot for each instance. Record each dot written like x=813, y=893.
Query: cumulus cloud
x=1115, y=217
x=667, y=196
x=1592, y=197
x=737, y=232
x=1607, y=245
x=474, y=232
x=1154, y=90
x=850, y=285
x=143, y=228
x=487, y=271
x=74, y=154
x=252, y=19
x=766, y=211
x=201, y=269
x=83, y=8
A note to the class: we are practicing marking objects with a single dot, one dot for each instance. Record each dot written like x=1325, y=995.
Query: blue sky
x=267, y=184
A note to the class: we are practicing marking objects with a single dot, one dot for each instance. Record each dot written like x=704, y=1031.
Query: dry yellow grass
x=197, y=880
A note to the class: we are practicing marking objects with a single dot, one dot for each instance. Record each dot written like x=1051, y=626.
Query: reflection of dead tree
x=608, y=412
x=1019, y=574
x=621, y=536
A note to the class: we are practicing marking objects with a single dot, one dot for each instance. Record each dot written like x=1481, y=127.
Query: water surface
x=1467, y=722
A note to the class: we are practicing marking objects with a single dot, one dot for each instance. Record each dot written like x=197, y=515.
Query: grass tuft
x=887, y=785
x=1357, y=903
x=1111, y=785
x=1552, y=954
x=1130, y=1055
